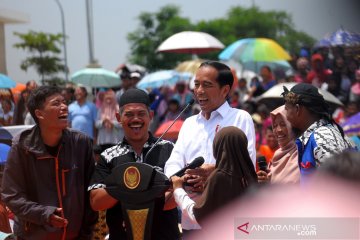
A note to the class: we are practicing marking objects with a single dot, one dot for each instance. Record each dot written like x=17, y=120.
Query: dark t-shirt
x=165, y=223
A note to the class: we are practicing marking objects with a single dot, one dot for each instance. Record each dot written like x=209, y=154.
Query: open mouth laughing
x=136, y=127
x=63, y=116
x=202, y=101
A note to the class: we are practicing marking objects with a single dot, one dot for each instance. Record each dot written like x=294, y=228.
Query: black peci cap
x=134, y=95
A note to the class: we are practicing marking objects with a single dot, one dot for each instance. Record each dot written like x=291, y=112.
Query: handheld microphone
x=160, y=138
x=197, y=162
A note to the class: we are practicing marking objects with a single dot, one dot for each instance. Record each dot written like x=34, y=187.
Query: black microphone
x=197, y=162
x=186, y=107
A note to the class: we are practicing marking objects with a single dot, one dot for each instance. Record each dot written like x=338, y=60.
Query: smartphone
x=262, y=163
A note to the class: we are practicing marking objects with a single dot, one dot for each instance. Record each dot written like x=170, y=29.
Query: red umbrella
x=173, y=131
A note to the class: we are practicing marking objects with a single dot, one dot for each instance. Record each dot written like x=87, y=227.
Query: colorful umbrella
x=255, y=51
x=6, y=82
x=190, y=42
x=352, y=125
x=162, y=78
x=173, y=132
x=341, y=37
x=96, y=77
x=254, y=66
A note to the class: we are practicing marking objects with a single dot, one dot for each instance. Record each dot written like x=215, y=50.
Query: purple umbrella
x=341, y=37
x=352, y=125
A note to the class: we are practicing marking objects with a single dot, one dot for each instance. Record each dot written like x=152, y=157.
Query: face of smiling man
x=54, y=112
x=135, y=119
x=209, y=94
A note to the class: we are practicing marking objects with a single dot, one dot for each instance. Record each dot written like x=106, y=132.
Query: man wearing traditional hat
x=319, y=135
x=135, y=117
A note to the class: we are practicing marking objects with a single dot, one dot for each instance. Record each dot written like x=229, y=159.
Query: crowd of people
x=55, y=186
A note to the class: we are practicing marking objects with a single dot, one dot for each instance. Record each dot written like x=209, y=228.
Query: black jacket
x=35, y=183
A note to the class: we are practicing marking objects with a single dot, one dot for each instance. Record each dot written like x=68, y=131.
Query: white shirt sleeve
x=249, y=131
x=185, y=203
x=177, y=160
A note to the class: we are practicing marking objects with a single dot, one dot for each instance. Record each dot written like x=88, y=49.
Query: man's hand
x=263, y=177
x=204, y=171
x=197, y=177
x=55, y=219
x=196, y=182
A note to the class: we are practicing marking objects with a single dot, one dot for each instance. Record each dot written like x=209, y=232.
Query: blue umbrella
x=4, y=150
x=341, y=37
x=6, y=82
x=5, y=134
x=162, y=78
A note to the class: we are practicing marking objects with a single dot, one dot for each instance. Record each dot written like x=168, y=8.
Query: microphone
x=197, y=162
x=160, y=138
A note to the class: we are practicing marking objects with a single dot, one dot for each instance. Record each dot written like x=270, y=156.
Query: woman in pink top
x=284, y=165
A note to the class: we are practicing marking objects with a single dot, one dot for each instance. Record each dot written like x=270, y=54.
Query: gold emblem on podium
x=131, y=177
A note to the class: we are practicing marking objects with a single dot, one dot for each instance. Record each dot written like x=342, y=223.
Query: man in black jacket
x=47, y=172
x=135, y=118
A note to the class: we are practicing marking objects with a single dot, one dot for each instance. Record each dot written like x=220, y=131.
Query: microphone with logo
x=197, y=162
x=160, y=138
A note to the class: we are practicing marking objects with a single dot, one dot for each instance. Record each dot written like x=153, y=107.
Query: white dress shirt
x=196, y=138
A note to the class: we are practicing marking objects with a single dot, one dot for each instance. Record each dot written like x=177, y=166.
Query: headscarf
x=99, y=97
x=234, y=172
x=284, y=166
x=109, y=109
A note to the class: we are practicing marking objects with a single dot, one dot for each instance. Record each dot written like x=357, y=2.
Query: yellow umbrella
x=189, y=66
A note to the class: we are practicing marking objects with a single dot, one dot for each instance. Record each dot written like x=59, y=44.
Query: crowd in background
x=93, y=111
x=336, y=72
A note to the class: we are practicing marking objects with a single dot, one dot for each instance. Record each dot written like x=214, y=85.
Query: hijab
x=234, y=172
x=284, y=166
x=109, y=108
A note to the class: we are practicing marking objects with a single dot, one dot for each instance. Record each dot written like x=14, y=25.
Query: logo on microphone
x=132, y=177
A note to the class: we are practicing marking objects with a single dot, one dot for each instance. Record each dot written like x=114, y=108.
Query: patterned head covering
x=307, y=95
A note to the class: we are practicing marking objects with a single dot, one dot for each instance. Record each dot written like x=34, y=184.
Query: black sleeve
x=101, y=172
x=15, y=190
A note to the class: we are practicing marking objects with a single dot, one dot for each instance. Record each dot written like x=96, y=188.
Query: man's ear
x=118, y=117
x=151, y=114
x=39, y=114
x=299, y=109
x=226, y=90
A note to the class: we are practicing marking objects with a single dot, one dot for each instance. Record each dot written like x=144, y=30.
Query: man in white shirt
x=213, y=83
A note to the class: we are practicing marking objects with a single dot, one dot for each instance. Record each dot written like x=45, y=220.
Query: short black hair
x=38, y=97
x=225, y=76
